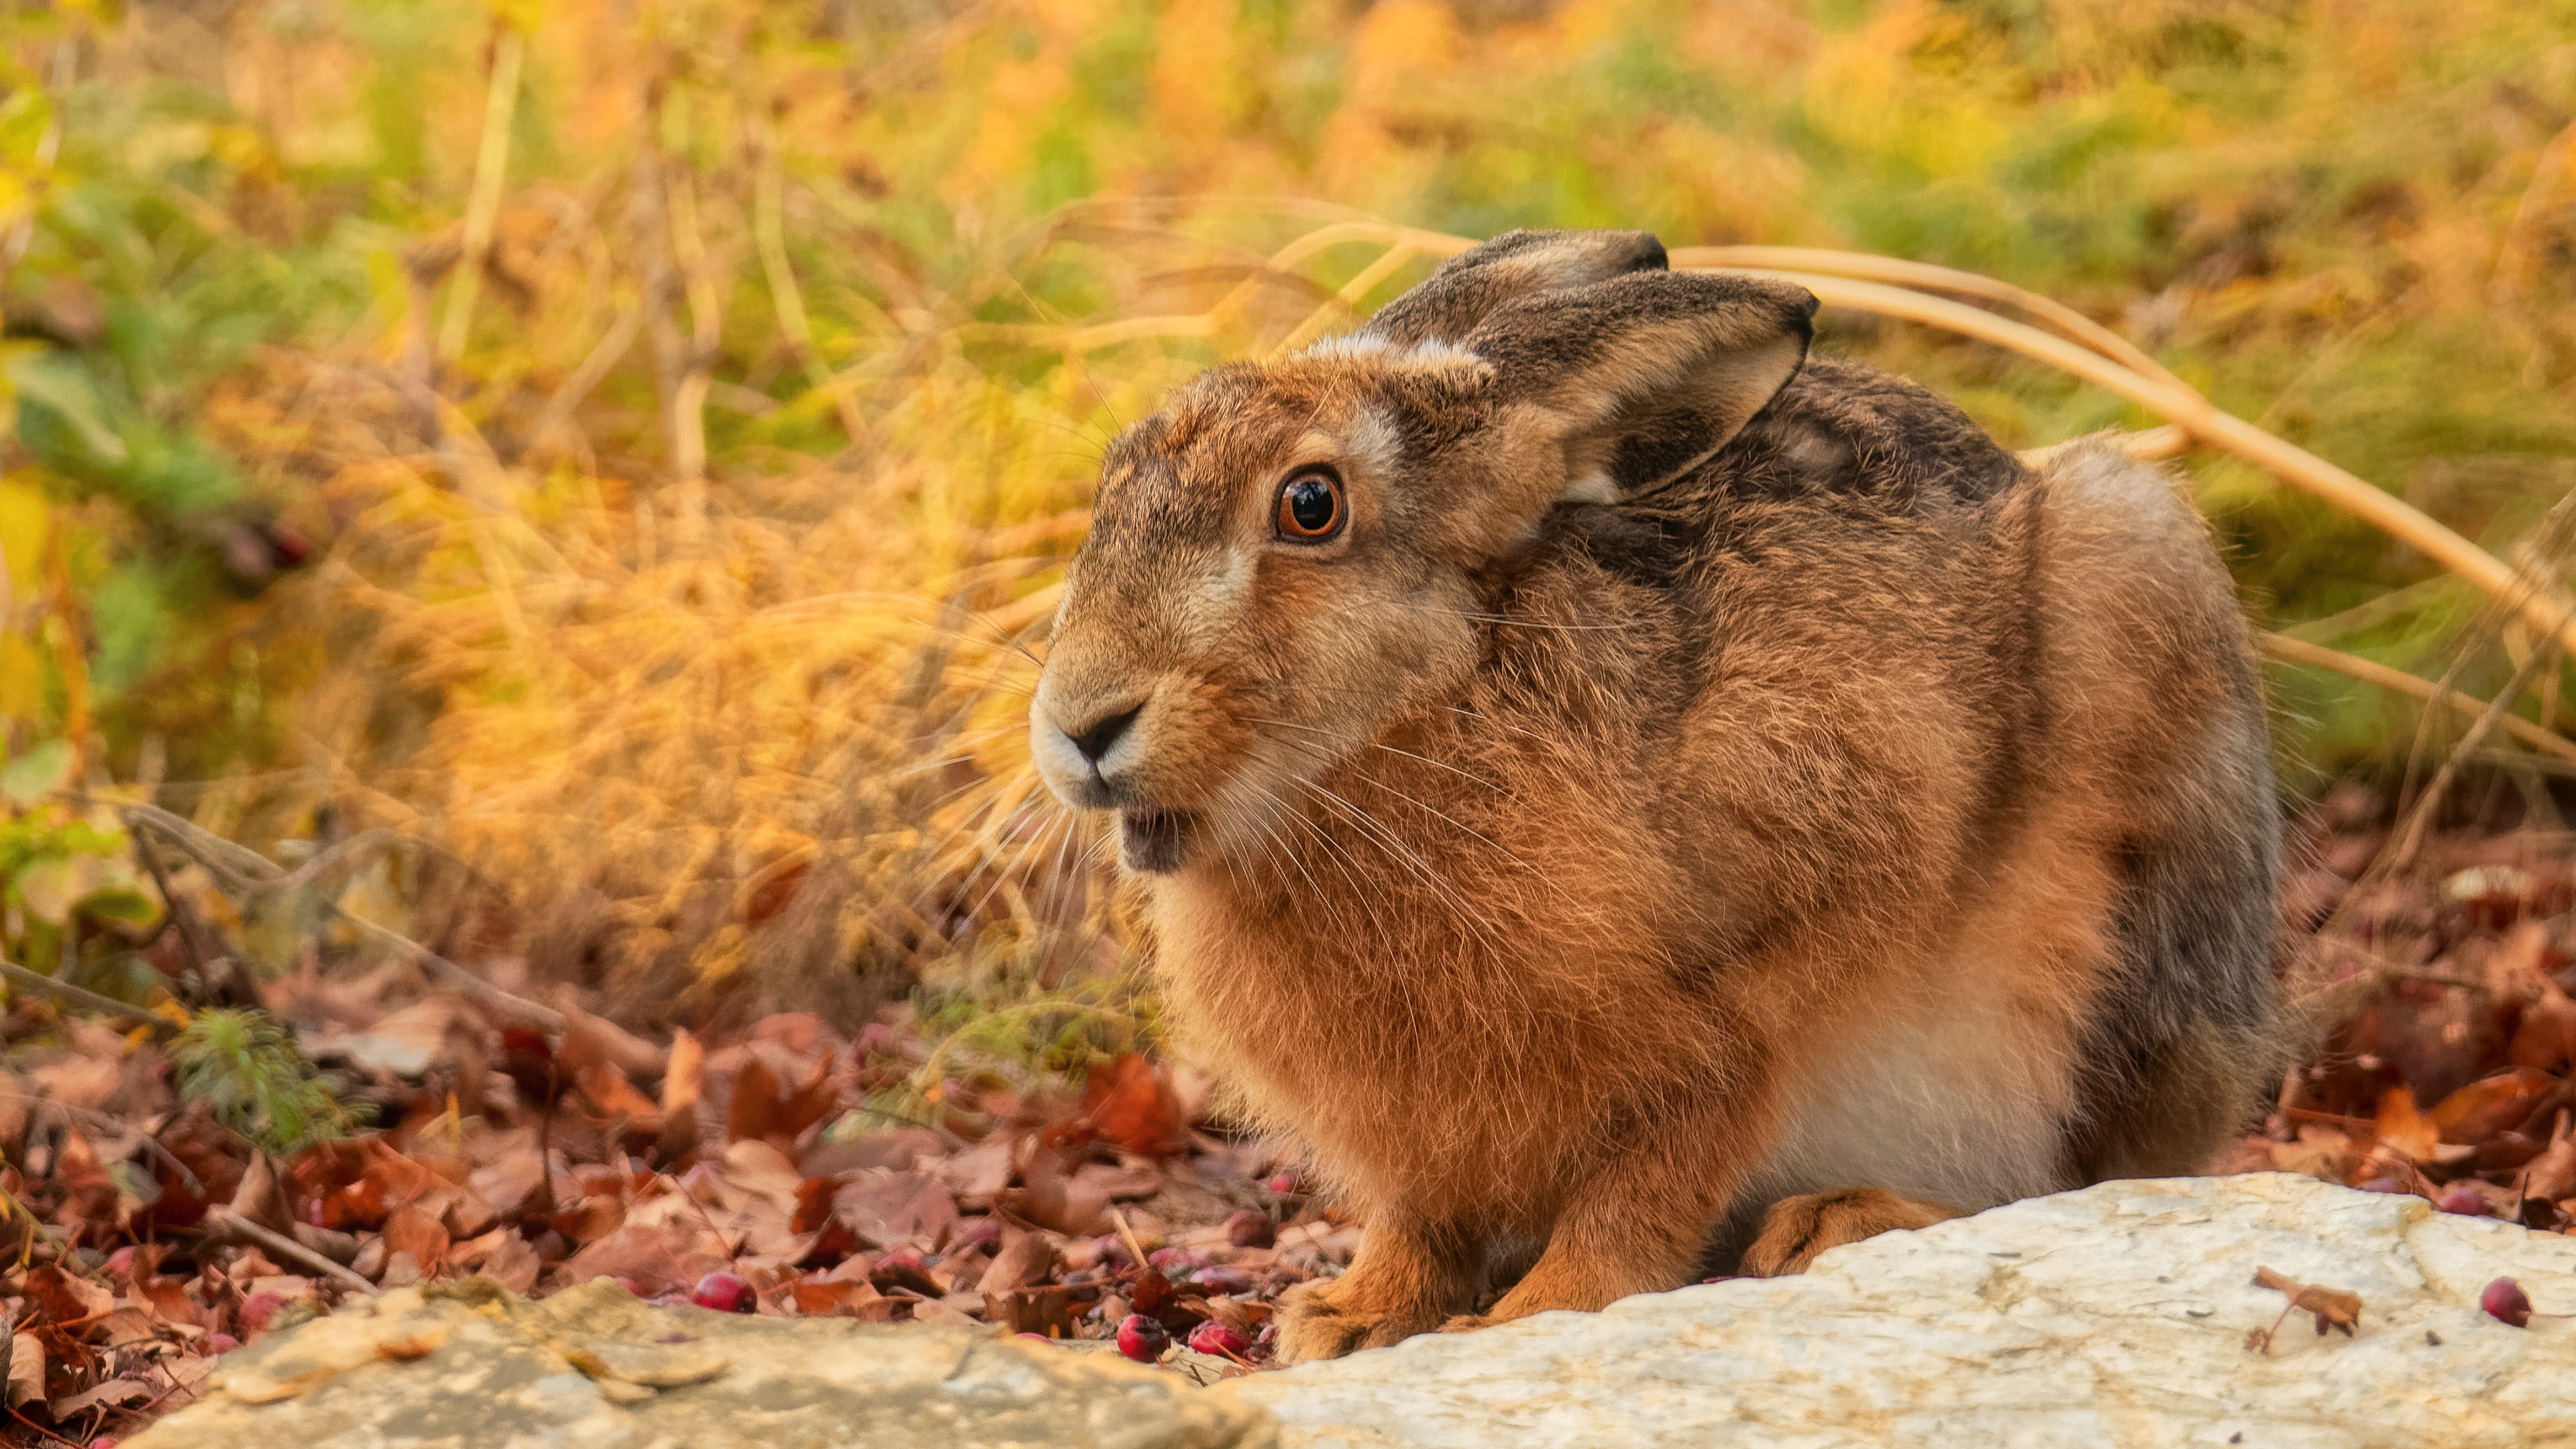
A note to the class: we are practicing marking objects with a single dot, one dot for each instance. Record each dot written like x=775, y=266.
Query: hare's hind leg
x=1795, y=1229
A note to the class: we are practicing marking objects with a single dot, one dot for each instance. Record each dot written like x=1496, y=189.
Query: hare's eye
x=1310, y=507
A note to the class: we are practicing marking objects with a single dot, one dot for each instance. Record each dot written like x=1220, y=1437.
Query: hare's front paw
x=1328, y=1320
x=1796, y=1229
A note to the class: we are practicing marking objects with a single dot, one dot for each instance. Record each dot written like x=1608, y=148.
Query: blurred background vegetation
x=624, y=448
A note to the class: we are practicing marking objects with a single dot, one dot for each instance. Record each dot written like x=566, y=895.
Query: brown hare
x=1632, y=799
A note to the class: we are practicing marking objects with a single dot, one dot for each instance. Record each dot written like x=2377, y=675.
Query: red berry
x=2464, y=1199
x=221, y=1343
x=1215, y=1338
x=724, y=1292
x=1251, y=1228
x=1283, y=1183
x=2506, y=1303
x=104, y=1441
x=1142, y=1339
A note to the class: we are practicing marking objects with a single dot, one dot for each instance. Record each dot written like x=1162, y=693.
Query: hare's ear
x=1646, y=375
x=1451, y=301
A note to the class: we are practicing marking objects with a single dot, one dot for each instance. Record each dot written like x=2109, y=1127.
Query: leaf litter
x=785, y=1168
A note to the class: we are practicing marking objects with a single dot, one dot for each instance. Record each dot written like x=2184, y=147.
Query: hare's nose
x=1102, y=734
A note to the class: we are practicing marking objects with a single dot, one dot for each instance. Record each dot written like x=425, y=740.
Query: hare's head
x=1285, y=558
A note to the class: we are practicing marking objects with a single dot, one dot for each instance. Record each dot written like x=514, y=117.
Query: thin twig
x=483, y=204
x=91, y=999
x=247, y=872
x=2316, y=656
x=224, y=1221
x=101, y=1119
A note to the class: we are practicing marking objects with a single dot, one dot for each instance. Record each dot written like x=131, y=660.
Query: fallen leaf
x=841, y=1298
x=2404, y=1127
x=1025, y=1259
x=26, y=1370
x=2488, y=1106
x=1128, y=1104
x=410, y=1230
x=765, y=1108
x=2332, y=1307
x=115, y=1393
x=513, y=1264
x=2552, y=1175
x=2545, y=1038
x=897, y=1209
x=684, y=1077
x=62, y=1298
x=651, y=1259
x=615, y=1098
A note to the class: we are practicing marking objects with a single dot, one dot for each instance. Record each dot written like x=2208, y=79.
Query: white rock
x=2112, y=1316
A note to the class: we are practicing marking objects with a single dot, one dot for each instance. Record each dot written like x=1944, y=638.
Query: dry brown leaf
x=1128, y=1104
x=26, y=1370
x=410, y=1230
x=613, y=1096
x=684, y=1078
x=898, y=1209
x=115, y=1393
x=513, y=1264
x=2332, y=1307
x=2491, y=1105
x=763, y=1106
x=2552, y=1175
x=2403, y=1126
x=1025, y=1259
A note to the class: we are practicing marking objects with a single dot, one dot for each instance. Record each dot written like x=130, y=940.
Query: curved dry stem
x=2317, y=656
x=2204, y=420
x=1870, y=267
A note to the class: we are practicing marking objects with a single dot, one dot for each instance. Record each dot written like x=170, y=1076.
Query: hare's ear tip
x=1646, y=252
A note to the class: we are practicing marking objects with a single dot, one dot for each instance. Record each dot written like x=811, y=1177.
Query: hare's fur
x=1609, y=837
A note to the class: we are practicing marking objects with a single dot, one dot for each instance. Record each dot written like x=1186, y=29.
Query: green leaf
x=64, y=388
x=38, y=773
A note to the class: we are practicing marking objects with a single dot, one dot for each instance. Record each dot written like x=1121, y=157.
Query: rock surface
x=592, y=1368
x=2112, y=1316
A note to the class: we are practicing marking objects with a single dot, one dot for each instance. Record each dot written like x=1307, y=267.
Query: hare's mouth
x=1151, y=839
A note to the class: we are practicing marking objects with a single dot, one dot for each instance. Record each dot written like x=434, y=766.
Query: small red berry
x=1215, y=1338
x=2506, y=1303
x=724, y=1292
x=1142, y=1339
x=1283, y=1183
x=2464, y=1199
x=1251, y=1228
